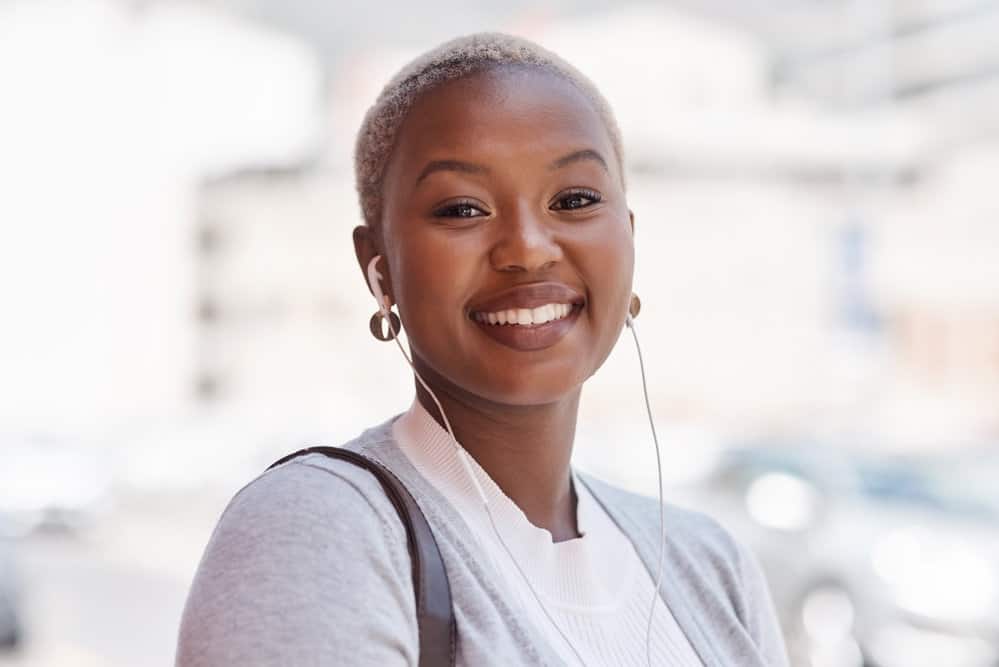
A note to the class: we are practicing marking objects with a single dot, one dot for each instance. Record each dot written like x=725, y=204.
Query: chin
x=526, y=387
x=513, y=378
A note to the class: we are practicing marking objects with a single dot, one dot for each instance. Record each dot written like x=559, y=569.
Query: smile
x=548, y=312
x=528, y=329
x=528, y=317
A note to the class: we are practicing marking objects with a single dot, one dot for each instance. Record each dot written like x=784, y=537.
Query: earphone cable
x=462, y=456
x=659, y=470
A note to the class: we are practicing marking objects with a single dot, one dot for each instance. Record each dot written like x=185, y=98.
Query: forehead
x=499, y=115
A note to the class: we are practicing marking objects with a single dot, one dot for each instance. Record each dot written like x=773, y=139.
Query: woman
x=491, y=181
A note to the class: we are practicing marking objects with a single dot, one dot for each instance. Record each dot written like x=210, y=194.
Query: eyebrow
x=451, y=165
x=472, y=168
x=585, y=154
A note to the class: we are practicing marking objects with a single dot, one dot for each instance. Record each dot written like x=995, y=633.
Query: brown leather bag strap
x=434, y=613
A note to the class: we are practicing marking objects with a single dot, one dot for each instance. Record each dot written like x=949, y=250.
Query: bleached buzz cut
x=457, y=58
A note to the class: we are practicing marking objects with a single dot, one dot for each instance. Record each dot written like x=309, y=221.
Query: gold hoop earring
x=378, y=331
x=635, y=306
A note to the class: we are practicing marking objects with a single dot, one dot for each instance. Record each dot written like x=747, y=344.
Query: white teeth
x=526, y=316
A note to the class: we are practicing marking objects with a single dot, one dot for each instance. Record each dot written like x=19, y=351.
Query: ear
x=365, y=247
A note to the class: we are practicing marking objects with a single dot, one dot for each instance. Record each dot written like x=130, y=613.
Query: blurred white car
x=46, y=482
x=872, y=562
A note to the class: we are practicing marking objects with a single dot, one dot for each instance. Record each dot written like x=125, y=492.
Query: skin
x=459, y=234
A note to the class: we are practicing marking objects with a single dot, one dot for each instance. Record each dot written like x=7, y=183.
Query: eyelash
x=450, y=211
x=585, y=193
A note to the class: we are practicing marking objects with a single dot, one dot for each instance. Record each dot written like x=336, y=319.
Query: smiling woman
x=500, y=175
x=491, y=181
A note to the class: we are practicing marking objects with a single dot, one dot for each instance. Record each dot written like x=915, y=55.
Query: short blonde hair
x=453, y=60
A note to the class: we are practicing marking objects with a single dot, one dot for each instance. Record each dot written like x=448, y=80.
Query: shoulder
x=296, y=554
x=317, y=483
x=311, y=496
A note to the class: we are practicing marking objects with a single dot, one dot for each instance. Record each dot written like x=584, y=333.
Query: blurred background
x=816, y=200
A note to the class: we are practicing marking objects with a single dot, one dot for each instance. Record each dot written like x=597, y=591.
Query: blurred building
x=815, y=238
x=112, y=113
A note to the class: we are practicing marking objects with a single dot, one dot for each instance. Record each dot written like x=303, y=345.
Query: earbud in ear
x=375, y=283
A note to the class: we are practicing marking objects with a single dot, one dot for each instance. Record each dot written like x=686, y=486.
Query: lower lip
x=533, y=336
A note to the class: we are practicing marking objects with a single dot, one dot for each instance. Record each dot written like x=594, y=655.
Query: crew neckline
x=575, y=574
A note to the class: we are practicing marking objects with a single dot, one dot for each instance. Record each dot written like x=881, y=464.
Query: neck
x=526, y=450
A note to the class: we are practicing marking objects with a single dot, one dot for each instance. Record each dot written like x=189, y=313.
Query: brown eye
x=462, y=209
x=576, y=199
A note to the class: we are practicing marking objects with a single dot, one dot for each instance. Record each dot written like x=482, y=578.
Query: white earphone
x=375, y=283
x=384, y=306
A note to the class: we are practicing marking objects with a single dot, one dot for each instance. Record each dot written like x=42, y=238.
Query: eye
x=459, y=209
x=576, y=199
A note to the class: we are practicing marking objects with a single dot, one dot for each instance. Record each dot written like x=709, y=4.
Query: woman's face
x=504, y=201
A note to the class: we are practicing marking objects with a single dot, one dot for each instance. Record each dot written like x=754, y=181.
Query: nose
x=525, y=242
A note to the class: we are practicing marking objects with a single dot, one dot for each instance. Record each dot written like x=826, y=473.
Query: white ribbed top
x=595, y=587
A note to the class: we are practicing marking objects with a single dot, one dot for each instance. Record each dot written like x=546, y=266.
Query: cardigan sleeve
x=305, y=567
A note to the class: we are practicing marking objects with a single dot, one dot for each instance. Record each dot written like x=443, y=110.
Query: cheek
x=431, y=289
x=608, y=266
x=610, y=295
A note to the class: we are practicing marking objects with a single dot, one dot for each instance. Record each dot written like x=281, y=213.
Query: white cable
x=662, y=521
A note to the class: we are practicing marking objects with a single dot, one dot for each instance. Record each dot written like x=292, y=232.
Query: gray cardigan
x=308, y=565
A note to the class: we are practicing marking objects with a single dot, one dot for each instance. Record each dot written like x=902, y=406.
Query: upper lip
x=530, y=295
